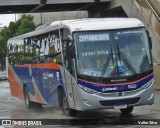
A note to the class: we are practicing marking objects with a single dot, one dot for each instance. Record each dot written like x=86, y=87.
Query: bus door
x=68, y=74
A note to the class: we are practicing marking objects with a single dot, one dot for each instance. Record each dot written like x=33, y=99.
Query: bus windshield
x=112, y=53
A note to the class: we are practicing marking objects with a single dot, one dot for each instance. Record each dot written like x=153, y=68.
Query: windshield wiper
x=127, y=63
x=106, y=63
x=121, y=54
x=105, y=67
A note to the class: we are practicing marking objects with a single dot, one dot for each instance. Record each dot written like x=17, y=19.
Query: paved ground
x=12, y=108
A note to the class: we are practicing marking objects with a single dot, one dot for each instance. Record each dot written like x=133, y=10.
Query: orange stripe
x=45, y=66
x=16, y=89
x=24, y=66
x=119, y=83
x=39, y=99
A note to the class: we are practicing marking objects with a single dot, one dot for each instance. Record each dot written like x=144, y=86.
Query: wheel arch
x=60, y=93
x=60, y=88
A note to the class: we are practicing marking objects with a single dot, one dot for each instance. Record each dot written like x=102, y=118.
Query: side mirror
x=72, y=51
x=71, y=47
x=70, y=38
x=67, y=38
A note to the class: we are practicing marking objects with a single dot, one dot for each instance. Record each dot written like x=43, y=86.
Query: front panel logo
x=109, y=89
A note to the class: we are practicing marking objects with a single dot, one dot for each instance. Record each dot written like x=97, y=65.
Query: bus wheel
x=28, y=103
x=64, y=106
x=38, y=106
x=127, y=110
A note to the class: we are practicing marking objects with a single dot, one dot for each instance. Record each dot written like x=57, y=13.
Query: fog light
x=150, y=96
x=87, y=102
x=88, y=90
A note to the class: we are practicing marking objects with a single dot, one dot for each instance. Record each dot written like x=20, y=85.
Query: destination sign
x=93, y=37
x=129, y=32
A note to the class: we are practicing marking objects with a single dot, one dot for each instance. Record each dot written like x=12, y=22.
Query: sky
x=5, y=19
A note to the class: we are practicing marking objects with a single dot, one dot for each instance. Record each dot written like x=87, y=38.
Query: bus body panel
x=109, y=100
x=120, y=87
x=42, y=82
x=15, y=84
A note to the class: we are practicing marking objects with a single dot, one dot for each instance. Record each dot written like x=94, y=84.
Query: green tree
x=23, y=25
x=13, y=27
x=26, y=26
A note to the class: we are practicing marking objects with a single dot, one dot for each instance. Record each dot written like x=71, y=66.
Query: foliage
x=26, y=26
x=23, y=25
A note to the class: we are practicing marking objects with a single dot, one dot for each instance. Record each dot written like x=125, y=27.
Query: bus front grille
x=129, y=101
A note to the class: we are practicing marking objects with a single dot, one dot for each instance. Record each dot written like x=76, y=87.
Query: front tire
x=64, y=106
x=127, y=110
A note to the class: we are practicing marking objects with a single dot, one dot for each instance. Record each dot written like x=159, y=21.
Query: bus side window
x=58, y=58
x=42, y=59
x=48, y=59
x=35, y=60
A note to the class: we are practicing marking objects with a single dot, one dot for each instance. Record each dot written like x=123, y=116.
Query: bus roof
x=87, y=24
x=101, y=23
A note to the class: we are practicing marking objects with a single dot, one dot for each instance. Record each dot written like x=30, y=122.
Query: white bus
x=83, y=64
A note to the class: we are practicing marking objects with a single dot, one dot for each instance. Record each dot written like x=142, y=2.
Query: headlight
x=148, y=84
x=88, y=90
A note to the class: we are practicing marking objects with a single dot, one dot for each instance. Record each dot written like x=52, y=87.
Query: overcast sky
x=6, y=19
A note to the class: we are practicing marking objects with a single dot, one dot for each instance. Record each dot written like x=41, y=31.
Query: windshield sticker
x=128, y=32
x=101, y=52
x=92, y=73
x=93, y=37
x=120, y=67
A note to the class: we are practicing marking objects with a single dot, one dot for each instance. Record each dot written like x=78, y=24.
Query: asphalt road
x=13, y=108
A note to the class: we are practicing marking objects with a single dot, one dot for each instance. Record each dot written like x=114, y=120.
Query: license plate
x=120, y=106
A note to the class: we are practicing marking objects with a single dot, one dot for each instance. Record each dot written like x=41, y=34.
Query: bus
x=83, y=64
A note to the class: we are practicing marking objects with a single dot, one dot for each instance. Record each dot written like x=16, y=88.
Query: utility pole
x=41, y=19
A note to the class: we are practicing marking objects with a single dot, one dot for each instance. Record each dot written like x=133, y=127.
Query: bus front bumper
x=141, y=96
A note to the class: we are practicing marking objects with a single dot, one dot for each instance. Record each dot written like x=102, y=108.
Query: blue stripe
x=47, y=87
x=116, y=88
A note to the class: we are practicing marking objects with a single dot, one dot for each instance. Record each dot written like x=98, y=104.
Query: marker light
x=148, y=84
x=86, y=89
